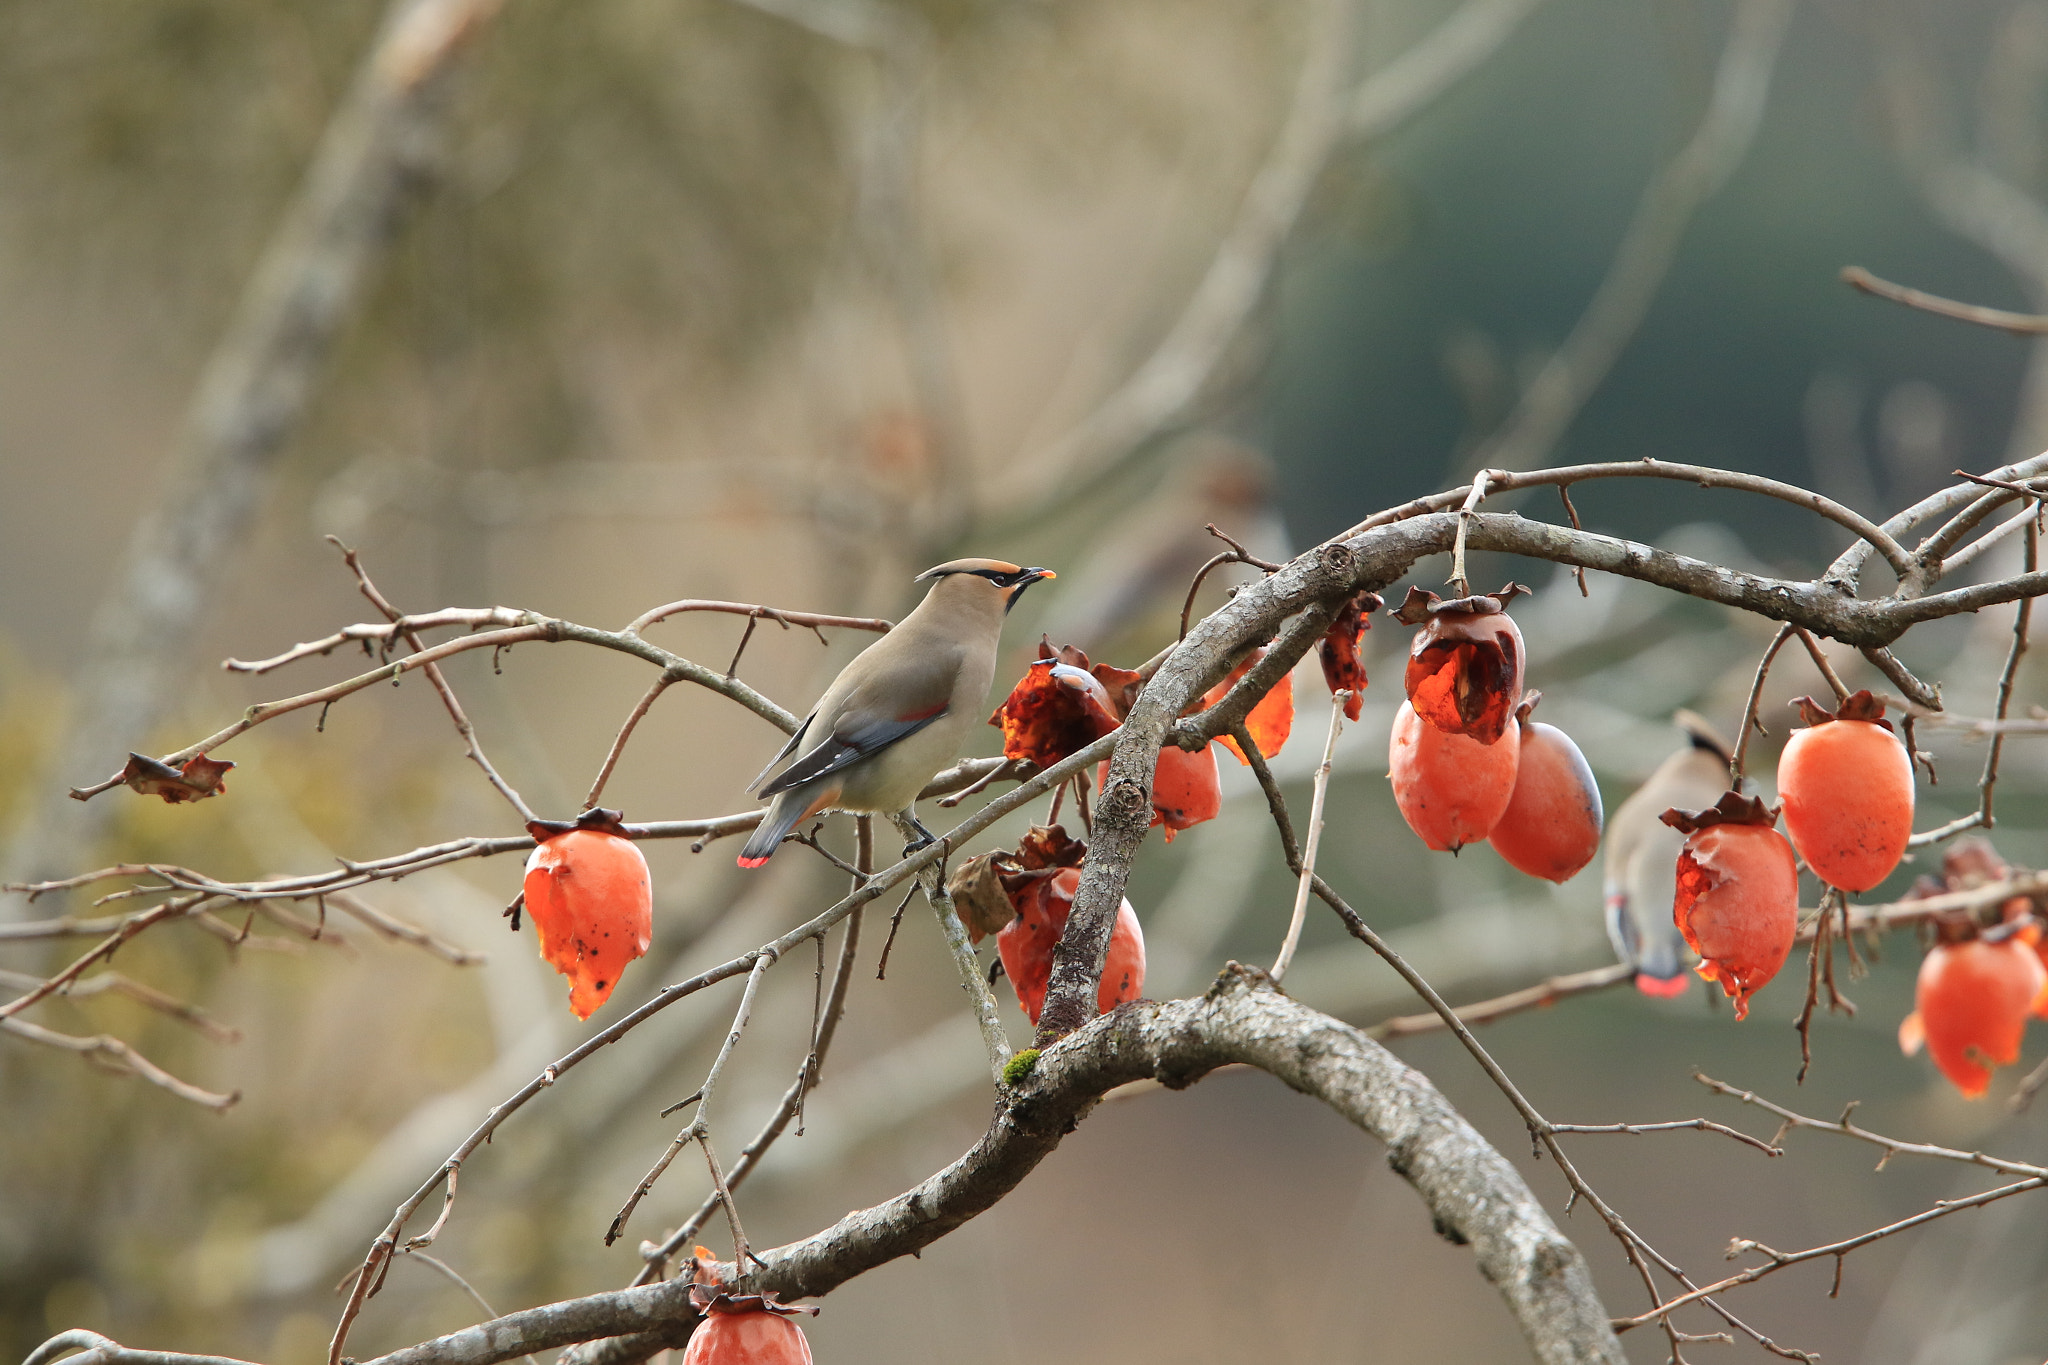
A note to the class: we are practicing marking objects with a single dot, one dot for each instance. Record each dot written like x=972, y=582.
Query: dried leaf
x=198, y=779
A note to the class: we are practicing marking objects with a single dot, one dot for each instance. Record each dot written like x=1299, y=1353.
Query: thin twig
x=1315, y=839
x=463, y=727
x=1465, y=515
x=118, y=1057
x=611, y=759
x=2022, y=324
x=1750, y=723
x=1542, y=994
x=1701, y=1125
x=1820, y=661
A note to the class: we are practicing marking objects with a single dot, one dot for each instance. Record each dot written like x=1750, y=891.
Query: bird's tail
x=784, y=812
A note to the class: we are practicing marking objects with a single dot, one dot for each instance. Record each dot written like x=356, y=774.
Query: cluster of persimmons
x=1467, y=763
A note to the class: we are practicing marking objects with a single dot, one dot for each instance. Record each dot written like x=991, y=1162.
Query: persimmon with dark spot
x=1062, y=704
x=1737, y=901
x=1971, y=1003
x=1551, y=828
x=1847, y=788
x=1464, y=672
x=1452, y=789
x=592, y=903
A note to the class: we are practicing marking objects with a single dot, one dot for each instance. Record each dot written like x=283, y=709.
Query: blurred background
x=585, y=308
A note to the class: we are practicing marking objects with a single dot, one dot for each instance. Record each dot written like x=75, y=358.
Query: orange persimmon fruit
x=1971, y=1005
x=1452, y=789
x=1464, y=672
x=1551, y=828
x=592, y=904
x=1027, y=943
x=1186, y=787
x=1847, y=788
x=742, y=1329
x=1737, y=901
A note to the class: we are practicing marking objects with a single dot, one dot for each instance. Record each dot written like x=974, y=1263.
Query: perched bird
x=1642, y=858
x=900, y=711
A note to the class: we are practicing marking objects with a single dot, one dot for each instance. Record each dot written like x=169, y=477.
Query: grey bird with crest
x=901, y=711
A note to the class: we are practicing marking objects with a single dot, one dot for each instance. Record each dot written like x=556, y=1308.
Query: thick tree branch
x=1474, y=1195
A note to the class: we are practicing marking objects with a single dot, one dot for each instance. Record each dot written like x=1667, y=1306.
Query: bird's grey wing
x=785, y=752
x=878, y=711
x=842, y=750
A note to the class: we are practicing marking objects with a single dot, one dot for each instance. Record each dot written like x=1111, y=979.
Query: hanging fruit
x=1551, y=828
x=1270, y=722
x=1452, y=789
x=1337, y=651
x=742, y=1329
x=592, y=905
x=1186, y=787
x=1847, y=788
x=1738, y=893
x=1972, y=1001
x=1040, y=880
x=1465, y=666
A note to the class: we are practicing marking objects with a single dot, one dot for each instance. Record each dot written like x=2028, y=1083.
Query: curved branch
x=1474, y=1194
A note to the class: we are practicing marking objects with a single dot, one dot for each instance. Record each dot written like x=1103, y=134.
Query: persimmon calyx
x=1421, y=605
x=596, y=818
x=1861, y=706
x=1732, y=809
x=708, y=1292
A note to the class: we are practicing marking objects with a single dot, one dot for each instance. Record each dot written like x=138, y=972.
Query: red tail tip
x=1665, y=988
x=745, y=861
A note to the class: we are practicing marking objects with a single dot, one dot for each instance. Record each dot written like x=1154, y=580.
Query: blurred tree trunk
x=379, y=147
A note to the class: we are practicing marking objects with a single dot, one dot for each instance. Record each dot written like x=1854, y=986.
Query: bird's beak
x=1030, y=576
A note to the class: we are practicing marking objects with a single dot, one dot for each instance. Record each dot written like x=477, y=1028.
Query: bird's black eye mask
x=1014, y=582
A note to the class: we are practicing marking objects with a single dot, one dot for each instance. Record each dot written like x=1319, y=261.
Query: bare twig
x=1750, y=723
x=117, y=1056
x=993, y=1039
x=1705, y=476
x=1315, y=839
x=1538, y=996
x=1820, y=661
x=810, y=620
x=2023, y=324
x=1676, y=1125
x=463, y=727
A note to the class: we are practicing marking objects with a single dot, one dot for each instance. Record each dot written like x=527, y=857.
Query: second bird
x=1642, y=859
x=902, y=710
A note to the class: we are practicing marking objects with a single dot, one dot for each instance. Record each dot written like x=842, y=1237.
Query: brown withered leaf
x=198, y=779
x=978, y=897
